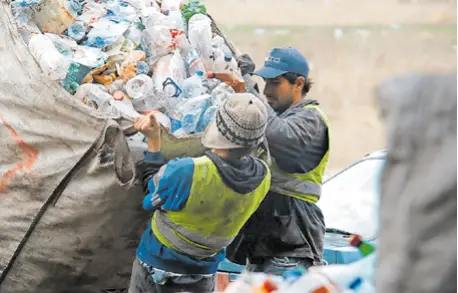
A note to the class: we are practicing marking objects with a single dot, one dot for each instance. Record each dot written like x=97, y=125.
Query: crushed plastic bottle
x=120, y=11
x=124, y=105
x=105, y=33
x=192, y=8
x=191, y=112
x=206, y=118
x=51, y=61
x=200, y=36
x=221, y=92
x=134, y=33
x=76, y=31
x=193, y=86
x=96, y=97
x=169, y=74
x=22, y=12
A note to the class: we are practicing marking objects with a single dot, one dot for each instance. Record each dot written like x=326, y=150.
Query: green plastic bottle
x=191, y=8
x=364, y=247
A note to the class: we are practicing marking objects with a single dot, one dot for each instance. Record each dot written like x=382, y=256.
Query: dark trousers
x=278, y=265
x=141, y=281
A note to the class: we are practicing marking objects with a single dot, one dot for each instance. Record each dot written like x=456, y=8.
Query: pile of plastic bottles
x=125, y=57
x=350, y=278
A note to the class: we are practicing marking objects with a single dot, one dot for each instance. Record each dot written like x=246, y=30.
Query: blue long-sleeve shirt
x=169, y=189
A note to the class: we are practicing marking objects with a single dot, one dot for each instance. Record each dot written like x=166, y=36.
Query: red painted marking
x=29, y=159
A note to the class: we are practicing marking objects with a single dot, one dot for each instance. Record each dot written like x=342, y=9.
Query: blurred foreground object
x=417, y=250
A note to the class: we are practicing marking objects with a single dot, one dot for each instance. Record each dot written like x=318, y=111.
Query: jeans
x=278, y=265
x=142, y=281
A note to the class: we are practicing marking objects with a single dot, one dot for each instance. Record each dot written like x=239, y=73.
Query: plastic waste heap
x=126, y=58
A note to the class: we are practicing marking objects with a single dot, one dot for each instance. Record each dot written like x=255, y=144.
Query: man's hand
x=150, y=127
x=246, y=64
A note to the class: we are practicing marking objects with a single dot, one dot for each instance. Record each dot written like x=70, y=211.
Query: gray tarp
x=418, y=189
x=86, y=238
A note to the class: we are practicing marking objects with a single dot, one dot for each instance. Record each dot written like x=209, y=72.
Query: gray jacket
x=283, y=225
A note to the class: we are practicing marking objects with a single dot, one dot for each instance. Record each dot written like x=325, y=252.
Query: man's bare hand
x=148, y=125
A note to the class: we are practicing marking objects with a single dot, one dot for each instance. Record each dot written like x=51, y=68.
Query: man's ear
x=300, y=82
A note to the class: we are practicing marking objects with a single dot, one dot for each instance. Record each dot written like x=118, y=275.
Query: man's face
x=279, y=93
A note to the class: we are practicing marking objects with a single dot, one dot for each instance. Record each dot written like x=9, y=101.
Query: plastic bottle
x=96, y=98
x=171, y=5
x=168, y=74
x=124, y=105
x=176, y=20
x=76, y=31
x=229, y=79
x=53, y=16
x=364, y=247
x=105, y=33
x=193, y=86
x=192, y=8
x=139, y=86
x=344, y=275
x=73, y=7
x=223, y=59
x=191, y=112
x=206, y=118
x=221, y=92
x=134, y=33
x=53, y=63
x=311, y=283
x=200, y=36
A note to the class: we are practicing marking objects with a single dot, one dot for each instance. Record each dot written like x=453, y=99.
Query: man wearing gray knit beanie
x=199, y=204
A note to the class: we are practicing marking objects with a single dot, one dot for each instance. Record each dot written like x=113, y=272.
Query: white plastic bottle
x=224, y=62
x=139, y=86
x=200, y=36
x=51, y=61
x=96, y=97
x=194, y=86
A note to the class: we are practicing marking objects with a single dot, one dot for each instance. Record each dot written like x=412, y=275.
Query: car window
x=350, y=200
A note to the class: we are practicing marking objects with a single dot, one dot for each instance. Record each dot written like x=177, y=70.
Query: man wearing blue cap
x=288, y=228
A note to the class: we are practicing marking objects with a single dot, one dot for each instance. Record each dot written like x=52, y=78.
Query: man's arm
x=289, y=137
x=167, y=186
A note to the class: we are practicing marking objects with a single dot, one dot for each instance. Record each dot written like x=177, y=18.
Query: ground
x=351, y=45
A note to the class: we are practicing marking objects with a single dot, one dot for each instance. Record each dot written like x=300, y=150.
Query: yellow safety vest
x=213, y=214
x=305, y=186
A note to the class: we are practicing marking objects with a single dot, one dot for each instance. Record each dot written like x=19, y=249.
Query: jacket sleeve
x=166, y=186
x=288, y=137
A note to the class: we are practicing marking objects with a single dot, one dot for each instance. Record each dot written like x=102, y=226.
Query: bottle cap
x=356, y=240
x=118, y=95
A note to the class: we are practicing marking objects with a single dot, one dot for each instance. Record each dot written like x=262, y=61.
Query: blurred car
x=349, y=202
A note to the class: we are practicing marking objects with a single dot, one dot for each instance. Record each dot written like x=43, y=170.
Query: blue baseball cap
x=283, y=60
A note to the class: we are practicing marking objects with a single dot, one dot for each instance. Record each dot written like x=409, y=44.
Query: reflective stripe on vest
x=212, y=216
x=306, y=186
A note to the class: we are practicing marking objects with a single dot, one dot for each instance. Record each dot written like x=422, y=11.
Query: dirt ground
x=351, y=45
